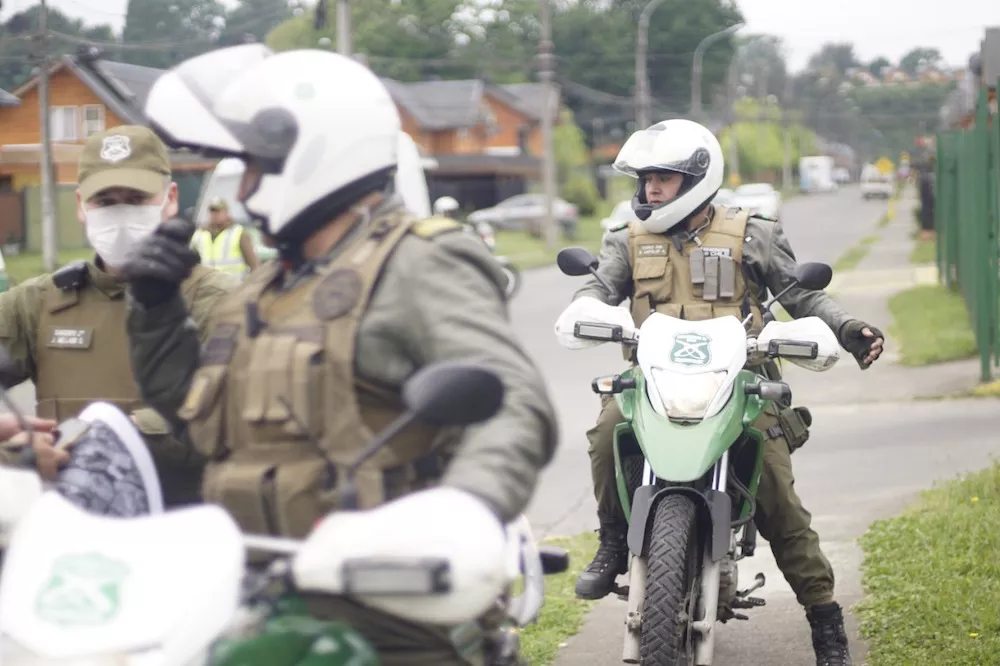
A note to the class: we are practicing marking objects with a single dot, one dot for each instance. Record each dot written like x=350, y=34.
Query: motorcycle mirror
x=813, y=275
x=453, y=394
x=554, y=560
x=575, y=261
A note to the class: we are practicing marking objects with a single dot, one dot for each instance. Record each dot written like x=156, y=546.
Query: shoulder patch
x=434, y=226
x=71, y=276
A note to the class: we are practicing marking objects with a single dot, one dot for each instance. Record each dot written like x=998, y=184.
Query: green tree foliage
x=173, y=30
x=253, y=18
x=760, y=136
x=575, y=177
x=18, y=52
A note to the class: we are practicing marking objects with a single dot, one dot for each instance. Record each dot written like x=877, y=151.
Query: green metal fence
x=967, y=217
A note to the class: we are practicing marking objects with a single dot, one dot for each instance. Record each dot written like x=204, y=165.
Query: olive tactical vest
x=700, y=279
x=280, y=411
x=82, y=346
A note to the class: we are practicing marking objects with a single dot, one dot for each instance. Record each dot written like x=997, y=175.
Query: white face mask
x=114, y=230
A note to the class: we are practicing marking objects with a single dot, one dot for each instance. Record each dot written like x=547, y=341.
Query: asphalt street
x=865, y=459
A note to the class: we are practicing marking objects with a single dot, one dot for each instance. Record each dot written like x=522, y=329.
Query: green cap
x=125, y=156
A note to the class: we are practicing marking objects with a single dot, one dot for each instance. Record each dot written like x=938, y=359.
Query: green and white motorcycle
x=687, y=457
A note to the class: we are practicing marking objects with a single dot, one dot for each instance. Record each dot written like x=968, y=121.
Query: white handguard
x=19, y=490
x=444, y=523
x=807, y=329
x=589, y=309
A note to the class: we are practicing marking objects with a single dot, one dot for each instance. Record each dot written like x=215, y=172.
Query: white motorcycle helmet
x=445, y=205
x=318, y=130
x=679, y=146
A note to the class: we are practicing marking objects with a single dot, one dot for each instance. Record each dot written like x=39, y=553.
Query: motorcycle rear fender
x=713, y=513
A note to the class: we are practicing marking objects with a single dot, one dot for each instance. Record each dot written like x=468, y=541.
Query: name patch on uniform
x=717, y=251
x=70, y=338
x=653, y=250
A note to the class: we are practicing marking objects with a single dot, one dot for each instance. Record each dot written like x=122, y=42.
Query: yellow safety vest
x=222, y=252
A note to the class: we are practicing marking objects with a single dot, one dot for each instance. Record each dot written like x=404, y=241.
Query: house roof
x=442, y=105
x=7, y=99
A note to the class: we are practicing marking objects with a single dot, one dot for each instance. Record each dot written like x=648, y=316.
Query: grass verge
x=563, y=614
x=528, y=252
x=987, y=390
x=855, y=255
x=931, y=325
x=20, y=267
x=924, y=252
x=932, y=578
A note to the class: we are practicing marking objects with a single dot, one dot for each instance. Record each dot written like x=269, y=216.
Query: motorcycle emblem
x=691, y=349
x=83, y=589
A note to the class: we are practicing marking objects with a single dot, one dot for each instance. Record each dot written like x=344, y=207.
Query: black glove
x=156, y=266
x=856, y=342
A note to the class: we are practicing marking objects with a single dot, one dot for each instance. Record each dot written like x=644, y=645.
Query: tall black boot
x=828, y=635
x=610, y=561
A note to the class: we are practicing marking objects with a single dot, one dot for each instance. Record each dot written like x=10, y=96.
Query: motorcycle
x=175, y=588
x=687, y=457
x=513, y=275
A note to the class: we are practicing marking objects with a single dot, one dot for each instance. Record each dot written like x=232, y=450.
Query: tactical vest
x=82, y=347
x=700, y=280
x=222, y=252
x=281, y=413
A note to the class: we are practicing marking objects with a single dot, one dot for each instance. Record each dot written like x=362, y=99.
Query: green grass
x=932, y=578
x=931, y=325
x=855, y=255
x=20, y=267
x=885, y=220
x=528, y=252
x=924, y=252
x=563, y=614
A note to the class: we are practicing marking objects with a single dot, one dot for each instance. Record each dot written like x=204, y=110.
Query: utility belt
x=283, y=491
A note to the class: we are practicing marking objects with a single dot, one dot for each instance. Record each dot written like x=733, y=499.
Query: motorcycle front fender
x=714, y=517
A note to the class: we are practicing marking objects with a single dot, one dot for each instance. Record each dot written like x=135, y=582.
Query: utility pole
x=786, y=162
x=50, y=238
x=545, y=75
x=344, y=46
x=699, y=51
x=642, y=102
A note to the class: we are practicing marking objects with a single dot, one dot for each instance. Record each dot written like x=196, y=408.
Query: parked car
x=525, y=211
x=622, y=212
x=724, y=197
x=759, y=198
x=841, y=175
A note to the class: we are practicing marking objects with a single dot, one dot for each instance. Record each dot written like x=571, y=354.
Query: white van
x=224, y=182
x=874, y=183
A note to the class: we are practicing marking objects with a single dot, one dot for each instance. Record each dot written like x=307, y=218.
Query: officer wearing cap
x=66, y=331
x=224, y=245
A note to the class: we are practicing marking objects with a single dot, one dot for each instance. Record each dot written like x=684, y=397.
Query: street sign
x=885, y=165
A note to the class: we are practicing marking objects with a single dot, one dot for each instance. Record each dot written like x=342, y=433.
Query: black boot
x=829, y=637
x=610, y=561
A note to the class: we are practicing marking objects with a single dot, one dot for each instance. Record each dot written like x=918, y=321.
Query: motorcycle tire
x=671, y=585
x=513, y=276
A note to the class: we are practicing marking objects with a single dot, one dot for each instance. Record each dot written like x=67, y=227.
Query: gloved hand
x=156, y=266
x=864, y=341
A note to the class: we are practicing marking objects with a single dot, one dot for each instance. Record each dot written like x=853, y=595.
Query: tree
x=833, y=60
x=573, y=169
x=253, y=18
x=173, y=30
x=763, y=64
x=876, y=66
x=920, y=57
x=18, y=51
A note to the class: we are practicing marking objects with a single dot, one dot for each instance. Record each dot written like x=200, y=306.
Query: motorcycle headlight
x=14, y=654
x=687, y=396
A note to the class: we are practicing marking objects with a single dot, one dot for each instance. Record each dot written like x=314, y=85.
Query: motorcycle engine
x=728, y=587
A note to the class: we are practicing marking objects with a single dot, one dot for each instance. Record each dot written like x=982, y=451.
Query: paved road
x=861, y=463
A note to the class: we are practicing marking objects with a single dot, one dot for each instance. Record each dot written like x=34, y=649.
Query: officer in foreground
x=223, y=244
x=307, y=358
x=66, y=331
x=659, y=263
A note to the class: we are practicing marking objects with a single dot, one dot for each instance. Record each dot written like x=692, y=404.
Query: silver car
x=759, y=198
x=526, y=211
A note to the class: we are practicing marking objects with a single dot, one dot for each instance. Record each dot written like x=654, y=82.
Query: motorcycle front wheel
x=671, y=585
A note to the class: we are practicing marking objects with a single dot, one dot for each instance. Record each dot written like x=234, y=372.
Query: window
x=64, y=123
x=93, y=119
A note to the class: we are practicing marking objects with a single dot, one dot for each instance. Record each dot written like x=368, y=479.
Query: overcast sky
x=876, y=27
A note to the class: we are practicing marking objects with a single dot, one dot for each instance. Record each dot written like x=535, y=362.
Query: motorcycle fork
x=707, y=603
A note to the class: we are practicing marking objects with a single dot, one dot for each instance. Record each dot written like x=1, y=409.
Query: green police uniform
x=728, y=270
x=66, y=331
x=282, y=405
